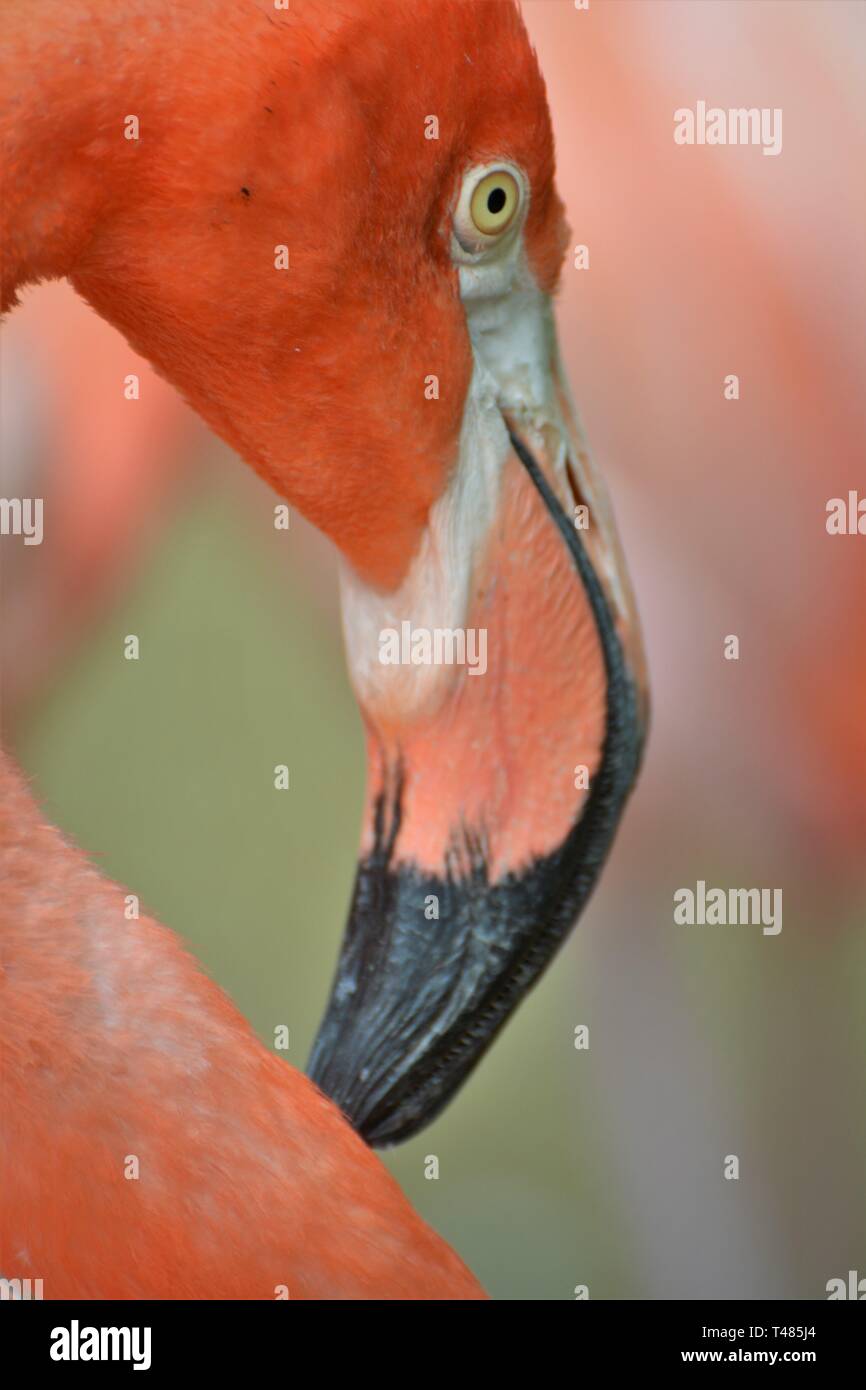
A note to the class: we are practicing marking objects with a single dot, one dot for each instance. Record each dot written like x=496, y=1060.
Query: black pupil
x=496, y=200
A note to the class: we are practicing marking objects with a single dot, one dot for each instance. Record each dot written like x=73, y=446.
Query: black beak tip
x=402, y=1029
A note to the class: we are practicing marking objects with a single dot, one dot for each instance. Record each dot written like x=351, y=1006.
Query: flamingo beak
x=494, y=794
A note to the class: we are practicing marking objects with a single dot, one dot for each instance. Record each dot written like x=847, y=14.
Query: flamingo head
x=341, y=241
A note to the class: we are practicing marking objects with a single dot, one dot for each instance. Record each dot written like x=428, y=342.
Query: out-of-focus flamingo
x=107, y=455
x=697, y=270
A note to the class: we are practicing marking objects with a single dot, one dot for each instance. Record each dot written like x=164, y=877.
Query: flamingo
x=106, y=487
x=334, y=229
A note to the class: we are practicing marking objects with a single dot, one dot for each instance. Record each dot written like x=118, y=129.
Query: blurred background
x=558, y=1167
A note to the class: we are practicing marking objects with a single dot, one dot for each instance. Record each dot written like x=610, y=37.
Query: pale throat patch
x=516, y=374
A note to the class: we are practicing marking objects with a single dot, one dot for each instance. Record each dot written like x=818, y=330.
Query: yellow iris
x=494, y=203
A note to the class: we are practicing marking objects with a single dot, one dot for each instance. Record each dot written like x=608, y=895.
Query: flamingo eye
x=495, y=202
